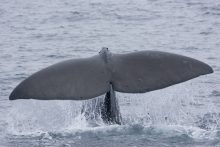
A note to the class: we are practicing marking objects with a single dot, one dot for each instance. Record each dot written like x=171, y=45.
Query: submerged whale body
x=137, y=72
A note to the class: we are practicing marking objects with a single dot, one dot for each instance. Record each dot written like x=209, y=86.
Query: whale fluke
x=146, y=71
x=137, y=72
x=76, y=79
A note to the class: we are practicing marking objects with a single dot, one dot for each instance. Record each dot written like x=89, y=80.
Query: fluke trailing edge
x=137, y=72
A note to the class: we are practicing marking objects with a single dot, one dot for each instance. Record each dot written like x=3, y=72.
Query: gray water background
x=36, y=34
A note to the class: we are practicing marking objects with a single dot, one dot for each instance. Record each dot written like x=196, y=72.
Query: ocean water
x=36, y=34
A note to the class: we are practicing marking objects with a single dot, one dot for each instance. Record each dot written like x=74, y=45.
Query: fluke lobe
x=137, y=72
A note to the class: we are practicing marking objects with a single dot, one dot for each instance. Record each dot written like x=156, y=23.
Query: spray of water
x=179, y=108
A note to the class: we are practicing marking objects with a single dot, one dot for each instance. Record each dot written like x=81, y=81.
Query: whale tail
x=81, y=79
x=146, y=71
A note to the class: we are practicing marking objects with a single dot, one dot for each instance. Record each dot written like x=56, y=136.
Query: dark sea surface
x=36, y=34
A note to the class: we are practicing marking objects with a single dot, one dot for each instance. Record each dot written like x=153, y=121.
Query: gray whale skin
x=137, y=72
